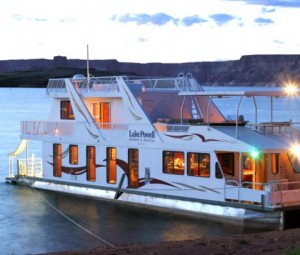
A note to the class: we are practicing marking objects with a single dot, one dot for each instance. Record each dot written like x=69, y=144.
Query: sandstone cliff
x=252, y=70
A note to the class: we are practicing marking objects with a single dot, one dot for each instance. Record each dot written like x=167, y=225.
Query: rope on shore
x=68, y=218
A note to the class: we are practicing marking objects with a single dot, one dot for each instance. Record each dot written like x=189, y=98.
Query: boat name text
x=141, y=135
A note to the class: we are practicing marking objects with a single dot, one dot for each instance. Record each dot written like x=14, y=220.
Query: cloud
x=221, y=18
x=266, y=10
x=158, y=19
x=277, y=3
x=278, y=42
x=65, y=20
x=263, y=21
x=40, y=19
x=191, y=20
x=17, y=17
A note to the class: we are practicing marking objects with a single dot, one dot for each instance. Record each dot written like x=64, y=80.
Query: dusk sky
x=168, y=31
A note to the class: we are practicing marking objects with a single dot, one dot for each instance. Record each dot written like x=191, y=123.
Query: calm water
x=29, y=225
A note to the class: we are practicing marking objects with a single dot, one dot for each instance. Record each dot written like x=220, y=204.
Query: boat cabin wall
x=55, y=109
x=90, y=164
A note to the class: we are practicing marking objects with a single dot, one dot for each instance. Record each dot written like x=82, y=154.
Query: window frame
x=201, y=171
x=227, y=169
x=66, y=110
x=91, y=163
x=133, y=168
x=277, y=163
x=169, y=164
x=73, y=154
x=57, y=160
x=111, y=165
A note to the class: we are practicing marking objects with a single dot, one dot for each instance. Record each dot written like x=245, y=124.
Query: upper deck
x=108, y=86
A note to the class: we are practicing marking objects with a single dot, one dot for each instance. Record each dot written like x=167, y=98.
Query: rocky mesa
x=250, y=70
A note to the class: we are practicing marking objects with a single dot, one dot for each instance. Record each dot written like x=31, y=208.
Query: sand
x=276, y=242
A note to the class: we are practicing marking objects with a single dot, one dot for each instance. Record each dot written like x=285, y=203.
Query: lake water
x=31, y=222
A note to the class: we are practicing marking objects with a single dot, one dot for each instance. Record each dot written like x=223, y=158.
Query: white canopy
x=21, y=147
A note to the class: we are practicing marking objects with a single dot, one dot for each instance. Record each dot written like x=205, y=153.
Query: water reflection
x=31, y=225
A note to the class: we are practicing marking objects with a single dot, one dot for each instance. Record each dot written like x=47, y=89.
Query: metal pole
x=271, y=109
x=181, y=110
x=87, y=64
x=237, y=116
x=207, y=111
x=255, y=109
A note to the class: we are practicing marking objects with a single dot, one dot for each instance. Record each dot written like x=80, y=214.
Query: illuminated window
x=226, y=161
x=199, y=164
x=73, y=154
x=66, y=111
x=111, y=167
x=57, y=160
x=91, y=163
x=173, y=162
x=247, y=162
x=101, y=114
x=275, y=163
x=133, y=168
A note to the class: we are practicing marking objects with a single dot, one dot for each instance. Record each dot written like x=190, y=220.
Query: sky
x=146, y=31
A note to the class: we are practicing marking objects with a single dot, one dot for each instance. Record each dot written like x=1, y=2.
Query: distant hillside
x=252, y=70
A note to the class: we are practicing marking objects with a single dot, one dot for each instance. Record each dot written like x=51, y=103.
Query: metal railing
x=275, y=128
x=63, y=128
x=109, y=84
x=31, y=167
x=273, y=192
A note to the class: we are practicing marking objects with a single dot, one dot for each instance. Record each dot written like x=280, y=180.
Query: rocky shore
x=251, y=70
x=285, y=242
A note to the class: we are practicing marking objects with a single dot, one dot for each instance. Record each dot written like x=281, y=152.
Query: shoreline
x=268, y=243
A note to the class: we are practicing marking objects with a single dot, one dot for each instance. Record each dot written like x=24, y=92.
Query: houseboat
x=163, y=143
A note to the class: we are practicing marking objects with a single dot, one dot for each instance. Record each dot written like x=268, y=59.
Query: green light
x=254, y=153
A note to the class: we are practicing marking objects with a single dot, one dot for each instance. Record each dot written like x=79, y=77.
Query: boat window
x=73, y=154
x=247, y=162
x=111, y=167
x=295, y=163
x=199, y=164
x=226, y=161
x=57, y=160
x=101, y=114
x=66, y=111
x=91, y=163
x=275, y=163
x=133, y=167
x=173, y=162
x=219, y=174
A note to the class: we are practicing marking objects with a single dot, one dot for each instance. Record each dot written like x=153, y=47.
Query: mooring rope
x=68, y=218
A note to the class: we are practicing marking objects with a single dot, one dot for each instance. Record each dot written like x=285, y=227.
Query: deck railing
x=275, y=128
x=273, y=192
x=31, y=166
x=109, y=84
x=66, y=128
x=63, y=128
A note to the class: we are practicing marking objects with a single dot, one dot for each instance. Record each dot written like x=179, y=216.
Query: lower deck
x=247, y=215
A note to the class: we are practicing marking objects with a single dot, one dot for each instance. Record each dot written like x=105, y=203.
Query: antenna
x=87, y=63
